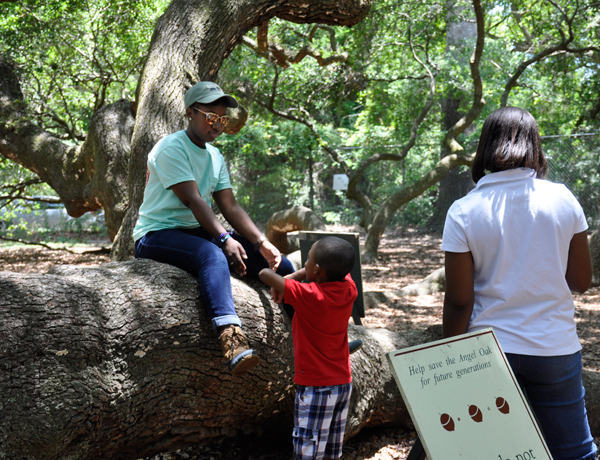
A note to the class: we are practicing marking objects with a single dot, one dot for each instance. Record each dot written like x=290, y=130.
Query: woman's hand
x=271, y=254
x=235, y=254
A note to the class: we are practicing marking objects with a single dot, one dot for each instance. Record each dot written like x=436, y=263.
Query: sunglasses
x=212, y=117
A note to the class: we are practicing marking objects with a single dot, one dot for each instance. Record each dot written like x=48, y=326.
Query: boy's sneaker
x=355, y=345
x=240, y=358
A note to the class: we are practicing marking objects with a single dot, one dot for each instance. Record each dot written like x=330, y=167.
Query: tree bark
x=119, y=362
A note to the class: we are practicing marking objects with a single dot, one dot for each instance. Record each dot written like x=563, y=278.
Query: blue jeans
x=556, y=394
x=196, y=252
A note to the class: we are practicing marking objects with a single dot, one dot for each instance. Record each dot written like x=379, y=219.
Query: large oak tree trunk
x=119, y=362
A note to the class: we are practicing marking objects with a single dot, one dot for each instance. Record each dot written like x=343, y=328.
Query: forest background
x=393, y=94
x=384, y=101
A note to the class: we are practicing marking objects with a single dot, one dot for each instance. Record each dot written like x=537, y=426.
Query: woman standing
x=515, y=247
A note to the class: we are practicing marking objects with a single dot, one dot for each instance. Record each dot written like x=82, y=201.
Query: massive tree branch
x=120, y=362
x=87, y=176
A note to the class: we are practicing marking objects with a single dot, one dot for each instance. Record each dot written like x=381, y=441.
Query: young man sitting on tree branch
x=177, y=226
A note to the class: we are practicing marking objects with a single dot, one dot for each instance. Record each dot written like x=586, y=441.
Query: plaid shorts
x=320, y=420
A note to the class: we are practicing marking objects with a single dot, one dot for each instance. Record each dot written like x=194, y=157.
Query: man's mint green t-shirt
x=173, y=160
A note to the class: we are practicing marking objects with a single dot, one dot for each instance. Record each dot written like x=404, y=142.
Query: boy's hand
x=277, y=283
x=276, y=296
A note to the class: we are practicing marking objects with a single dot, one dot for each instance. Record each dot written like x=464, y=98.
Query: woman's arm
x=188, y=194
x=579, y=264
x=240, y=220
x=460, y=294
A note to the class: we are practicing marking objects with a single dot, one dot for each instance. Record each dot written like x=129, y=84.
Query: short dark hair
x=334, y=255
x=510, y=139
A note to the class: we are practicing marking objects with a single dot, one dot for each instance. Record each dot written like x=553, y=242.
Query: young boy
x=322, y=307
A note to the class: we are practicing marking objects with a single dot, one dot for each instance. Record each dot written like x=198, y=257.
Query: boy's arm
x=270, y=278
x=300, y=275
x=277, y=283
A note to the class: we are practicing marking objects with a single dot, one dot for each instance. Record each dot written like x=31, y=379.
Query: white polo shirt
x=518, y=229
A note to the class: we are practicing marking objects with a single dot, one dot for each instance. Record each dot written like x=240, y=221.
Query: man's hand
x=271, y=254
x=235, y=254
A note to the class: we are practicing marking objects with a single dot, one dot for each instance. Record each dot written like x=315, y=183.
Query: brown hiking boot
x=240, y=358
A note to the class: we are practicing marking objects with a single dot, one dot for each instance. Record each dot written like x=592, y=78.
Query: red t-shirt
x=320, y=330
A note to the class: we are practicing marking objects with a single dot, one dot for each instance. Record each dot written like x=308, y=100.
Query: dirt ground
x=405, y=257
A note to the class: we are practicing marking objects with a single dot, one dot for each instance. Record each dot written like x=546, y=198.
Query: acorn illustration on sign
x=502, y=405
x=447, y=422
x=475, y=413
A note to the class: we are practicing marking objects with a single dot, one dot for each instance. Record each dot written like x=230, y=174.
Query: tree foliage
x=327, y=99
x=376, y=115
x=74, y=57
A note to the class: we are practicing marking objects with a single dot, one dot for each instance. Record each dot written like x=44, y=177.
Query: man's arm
x=240, y=220
x=188, y=194
x=460, y=293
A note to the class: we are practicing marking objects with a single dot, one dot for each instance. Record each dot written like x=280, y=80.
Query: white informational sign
x=340, y=182
x=465, y=401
